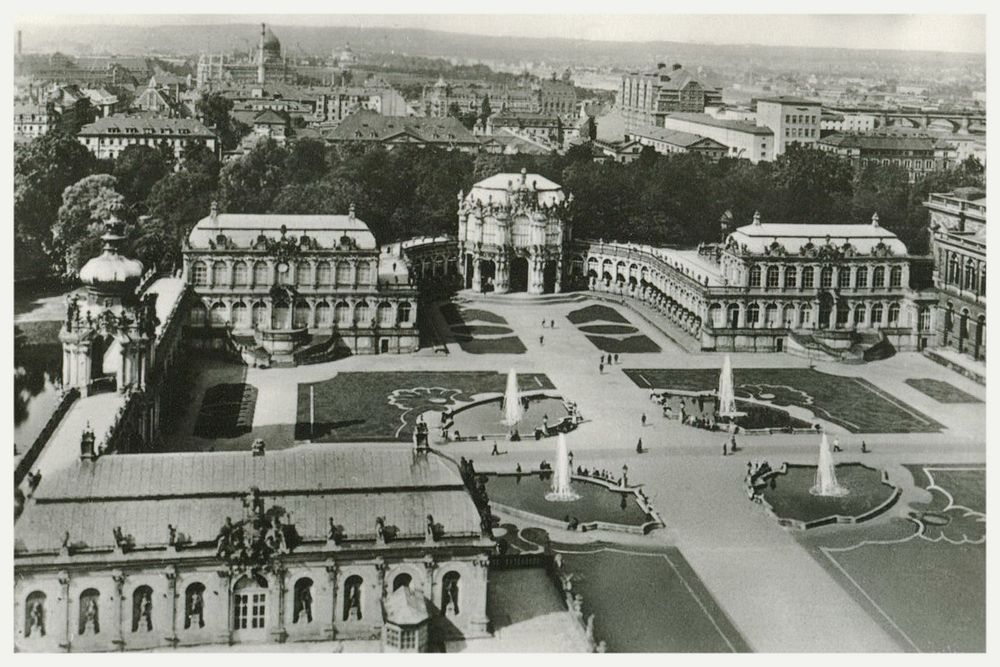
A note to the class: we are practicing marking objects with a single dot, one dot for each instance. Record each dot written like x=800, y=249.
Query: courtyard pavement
x=777, y=596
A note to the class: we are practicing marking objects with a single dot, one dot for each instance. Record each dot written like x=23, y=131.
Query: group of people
x=602, y=475
x=755, y=472
x=607, y=360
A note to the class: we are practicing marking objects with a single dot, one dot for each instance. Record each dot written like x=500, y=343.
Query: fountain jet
x=562, y=490
x=727, y=395
x=512, y=410
x=826, y=474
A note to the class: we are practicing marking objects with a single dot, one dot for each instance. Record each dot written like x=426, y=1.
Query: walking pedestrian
x=601, y=367
x=552, y=324
x=864, y=447
x=724, y=452
x=643, y=418
x=638, y=447
x=616, y=357
x=541, y=340
x=495, y=452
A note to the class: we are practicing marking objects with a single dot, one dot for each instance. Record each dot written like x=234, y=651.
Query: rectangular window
x=408, y=639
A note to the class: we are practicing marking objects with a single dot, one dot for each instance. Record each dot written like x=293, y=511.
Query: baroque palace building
x=512, y=234
x=282, y=288
x=837, y=291
x=385, y=549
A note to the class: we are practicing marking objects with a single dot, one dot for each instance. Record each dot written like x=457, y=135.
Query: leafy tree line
x=62, y=193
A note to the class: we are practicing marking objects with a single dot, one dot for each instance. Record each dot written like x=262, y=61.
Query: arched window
x=302, y=610
x=343, y=273
x=362, y=313
x=896, y=276
x=303, y=274
x=715, y=315
x=324, y=315
x=194, y=606
x=34, y=615
x=385, y=315
x=240, y=274
x=323, y=274
x=219, y=274
x=279, y=314
x=970, y=276
x=403, y=312
x=772, y=277
x=401, y=580
x=240, y=316
x=924, y=318
x=342, y=314
x=878, y=277
x=261, y=274
x=199, y=274
x=806, y=316
x=791, y=274
x=302, y=314
x=861, y=278
x=364, y=273
x=844, y=277
x=877, y=311
x=90, y=617
x=753, y=315
x=788, y=317
x=963, y=324
x=859, y=315
x=198, y=315
x=259, y=315
x=142, y=609
x=754, y=280
x=894, y=315
x=771, y=315
x=826, y=276
x=352, y=598
x=953, y=270
x=450, y=594
x=807, y=276
x=733, y=313
x=217, y=315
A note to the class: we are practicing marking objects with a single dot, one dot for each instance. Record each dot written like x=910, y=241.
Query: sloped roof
x=795, y=235
x=406, y=607
x=737, y=125
x=897, y=142
x=503, y=188
x=372, y=126
x=195, y=492
x=673, y=137
x=244, y=228
x=147, y=125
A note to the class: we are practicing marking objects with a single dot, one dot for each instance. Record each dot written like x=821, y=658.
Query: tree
x=321, y=197
x=250, y=183
x=214, y=110
x=199, y=159
x=175, y=204
x=812, y=186
x=43, y=168
x=72, y=119
x=80, y=222
x=306, y=161
x=485, y=111
x=138, y=169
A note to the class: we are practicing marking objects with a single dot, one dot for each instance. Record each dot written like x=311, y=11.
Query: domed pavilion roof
x=110, y=269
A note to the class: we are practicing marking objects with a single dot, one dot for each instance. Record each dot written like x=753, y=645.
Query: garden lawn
x=479, y=331
x=924, y=582
x=941, y=391
x=383, y=406
x=853, y=403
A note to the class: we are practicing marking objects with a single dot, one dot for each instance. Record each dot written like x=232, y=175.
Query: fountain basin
x=599, y=505
x=484, y=419
x=792, y=502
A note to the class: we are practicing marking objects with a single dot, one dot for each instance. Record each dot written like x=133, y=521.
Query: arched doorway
x=825, y=308
x=518, y=274
x=487, y=274
x=279, y=314
x=549, y=277
x=99, y=363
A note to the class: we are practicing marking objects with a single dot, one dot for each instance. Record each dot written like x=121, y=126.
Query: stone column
x=170, y=572
x=226, y=586
x=279, y=634
x=501, y=279
x=559, y=276
x=832, y=321
x=479, y=621
x=477, y=273
x=67, y=630
x=430, y=565
x=119, y=617
x=331, y=573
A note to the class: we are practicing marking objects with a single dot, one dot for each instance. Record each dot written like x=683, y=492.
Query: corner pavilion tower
x=512, y=234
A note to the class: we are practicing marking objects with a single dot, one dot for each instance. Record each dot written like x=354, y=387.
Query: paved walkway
x=774, y=592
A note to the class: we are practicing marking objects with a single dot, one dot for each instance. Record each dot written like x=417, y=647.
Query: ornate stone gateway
x=512, y=234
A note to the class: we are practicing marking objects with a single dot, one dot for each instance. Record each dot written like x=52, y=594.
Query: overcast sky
x=964, y=33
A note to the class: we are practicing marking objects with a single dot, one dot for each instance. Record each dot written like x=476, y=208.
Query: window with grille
x=807, y=276
x=896, y=276
x=408, y=639
x=250, y=611
x=861, y=279
x=878, y=277
x=199, y=274
x=755, y=276
x=772, y=276
x=844, y=277
x=826, y=277
x=790, y=277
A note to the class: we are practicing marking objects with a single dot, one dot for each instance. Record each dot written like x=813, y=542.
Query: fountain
x=513, y=411
x=826, y=475
x=562, y=491
x=727, y=396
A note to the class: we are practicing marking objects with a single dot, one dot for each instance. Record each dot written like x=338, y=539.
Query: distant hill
x=186, y=40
